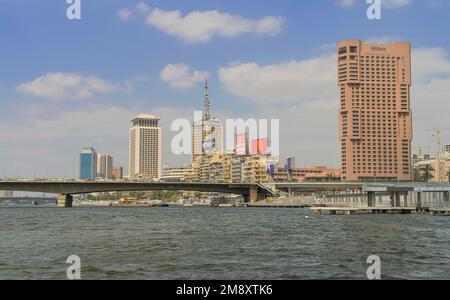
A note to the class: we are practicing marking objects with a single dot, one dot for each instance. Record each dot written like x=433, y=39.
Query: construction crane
x=437, y=134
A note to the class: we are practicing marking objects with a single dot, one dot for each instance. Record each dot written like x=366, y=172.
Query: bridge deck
x=82, y=187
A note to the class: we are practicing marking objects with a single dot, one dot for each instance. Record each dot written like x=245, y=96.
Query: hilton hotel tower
x=375, y=121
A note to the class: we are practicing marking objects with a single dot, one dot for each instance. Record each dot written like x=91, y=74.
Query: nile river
x=219, y=243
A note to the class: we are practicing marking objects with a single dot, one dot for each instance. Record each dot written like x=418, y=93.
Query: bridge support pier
x=64, y=201
x=398, y=196
x=395, y=199
x=419, y=200
x=446, y=196
x=254, y=196
x=370, y=199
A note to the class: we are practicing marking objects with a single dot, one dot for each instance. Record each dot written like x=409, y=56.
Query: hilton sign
x=376, y=48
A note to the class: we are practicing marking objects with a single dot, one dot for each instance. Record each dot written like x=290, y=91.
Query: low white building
x=6, y=194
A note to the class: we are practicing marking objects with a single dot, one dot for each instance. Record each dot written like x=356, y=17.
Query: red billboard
x=241, y=144
x=260, y=146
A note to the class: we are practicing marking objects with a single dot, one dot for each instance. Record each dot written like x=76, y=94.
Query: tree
x=425, y=173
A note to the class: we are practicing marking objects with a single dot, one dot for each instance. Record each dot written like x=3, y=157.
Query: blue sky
x=117, y=53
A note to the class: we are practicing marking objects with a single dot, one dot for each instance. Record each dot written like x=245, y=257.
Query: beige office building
x=375, y=120
x=118, y=172
x=145, y=148
x=105, y=166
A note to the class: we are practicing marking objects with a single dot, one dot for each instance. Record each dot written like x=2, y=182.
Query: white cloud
x=283, y=82
x=124, y=14
x=430, y=94
x=60, y=86
x=180, y=76
x=429, y=63
x=430, y=104
x=142, y=7
x=387, y=39
x=302, y=94
x=202, y=26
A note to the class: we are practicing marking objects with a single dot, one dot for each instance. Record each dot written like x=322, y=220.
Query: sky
x=67, y=84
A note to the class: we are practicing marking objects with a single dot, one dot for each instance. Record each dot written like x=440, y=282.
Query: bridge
x=305, y=187
x=252, y=192
x=399, y=191
x=300, y=187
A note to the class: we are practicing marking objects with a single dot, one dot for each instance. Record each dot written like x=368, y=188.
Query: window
x=342, y=50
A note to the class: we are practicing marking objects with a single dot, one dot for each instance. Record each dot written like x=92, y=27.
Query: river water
x=219, y=243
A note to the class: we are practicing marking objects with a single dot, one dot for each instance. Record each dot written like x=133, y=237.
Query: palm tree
x=425, y=173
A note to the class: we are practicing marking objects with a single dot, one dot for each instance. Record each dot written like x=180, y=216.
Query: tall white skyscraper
x=145, y=148
x=207, y=133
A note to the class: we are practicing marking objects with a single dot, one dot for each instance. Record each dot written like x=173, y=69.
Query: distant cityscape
x=375, y=133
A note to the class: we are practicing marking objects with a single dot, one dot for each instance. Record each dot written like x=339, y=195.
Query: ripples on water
x=208, y=243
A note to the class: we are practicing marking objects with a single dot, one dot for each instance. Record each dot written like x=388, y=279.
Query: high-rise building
x=88, y=163
x=237, y=169
x=447, y=148
x=145, y=148
x=375, y=121
x=105, y=166
x=117, y=172
x=207, y=133
x=290, y=163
